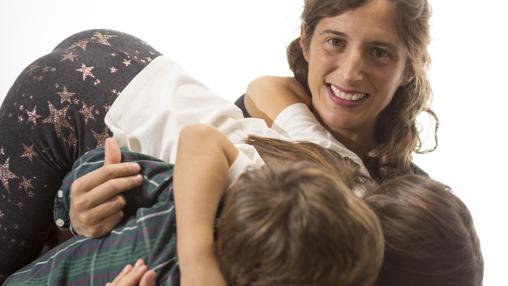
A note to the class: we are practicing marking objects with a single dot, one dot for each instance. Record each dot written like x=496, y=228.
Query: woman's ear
x=303, y=43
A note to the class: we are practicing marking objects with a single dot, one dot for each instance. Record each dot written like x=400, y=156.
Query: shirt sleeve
x=247, y=159
x=300, y=124
x=149, y=114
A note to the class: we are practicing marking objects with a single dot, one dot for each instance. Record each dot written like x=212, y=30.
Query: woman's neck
x=357, y=141
x=360, y=144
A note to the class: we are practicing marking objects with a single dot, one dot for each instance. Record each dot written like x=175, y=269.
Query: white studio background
x=227, y=43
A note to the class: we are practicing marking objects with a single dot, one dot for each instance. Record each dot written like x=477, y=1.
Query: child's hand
x=132, y=276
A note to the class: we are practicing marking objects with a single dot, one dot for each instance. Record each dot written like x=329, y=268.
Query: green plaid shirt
x=148, y=231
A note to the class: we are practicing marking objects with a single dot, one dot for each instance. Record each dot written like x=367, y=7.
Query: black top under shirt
x=240, y=102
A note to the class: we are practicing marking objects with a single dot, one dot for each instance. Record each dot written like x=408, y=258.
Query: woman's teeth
x=347, y=96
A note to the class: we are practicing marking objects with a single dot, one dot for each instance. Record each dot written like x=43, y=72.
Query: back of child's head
x=297, y=224
x=429, y=235
x=274, y=151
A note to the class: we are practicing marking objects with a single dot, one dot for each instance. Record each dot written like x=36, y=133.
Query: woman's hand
x=95, y=203
x=132, y=276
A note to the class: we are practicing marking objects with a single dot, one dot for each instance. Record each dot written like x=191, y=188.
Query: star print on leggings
x=87, y=112
x=68, y=57
x=65, y=95
x=26, y=184
x=32, y=68
x=28, y=152
x=102, y=39
x=57, y=118
x=81, y=44
x=101, y=137
x=6, y=174
x=86, y=71
x=32, y=116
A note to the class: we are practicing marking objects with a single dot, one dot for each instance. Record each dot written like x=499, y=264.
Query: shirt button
x=59, y=222
x=60, y=194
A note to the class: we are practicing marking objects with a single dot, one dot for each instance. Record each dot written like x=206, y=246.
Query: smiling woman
x=249, y=37
x=363, y=65
x=353, y=75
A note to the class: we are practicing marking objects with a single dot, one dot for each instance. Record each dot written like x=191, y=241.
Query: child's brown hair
x=297, y=223
x=274, y=151
x=429, y=235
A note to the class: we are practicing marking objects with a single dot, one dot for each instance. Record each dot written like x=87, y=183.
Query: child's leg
x=51, y=115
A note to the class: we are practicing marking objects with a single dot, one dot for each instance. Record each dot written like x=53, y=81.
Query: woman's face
x=356, y=63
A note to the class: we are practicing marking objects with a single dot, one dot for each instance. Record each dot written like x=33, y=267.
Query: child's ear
x=303, y=41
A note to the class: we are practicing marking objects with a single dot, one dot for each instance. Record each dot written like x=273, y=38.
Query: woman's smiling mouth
x=345, y=98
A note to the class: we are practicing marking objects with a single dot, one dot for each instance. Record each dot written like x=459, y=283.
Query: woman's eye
x=380, y=53
x=335, y=42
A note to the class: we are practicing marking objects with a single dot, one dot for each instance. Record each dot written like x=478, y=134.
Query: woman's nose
x=350, y=66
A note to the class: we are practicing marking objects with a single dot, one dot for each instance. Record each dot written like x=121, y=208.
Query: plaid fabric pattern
x=148, y=232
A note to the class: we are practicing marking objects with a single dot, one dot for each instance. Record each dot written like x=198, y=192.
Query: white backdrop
x=227, y=43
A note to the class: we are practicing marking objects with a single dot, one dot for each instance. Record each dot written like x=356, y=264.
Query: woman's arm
x=200, y=178
x=267, y=96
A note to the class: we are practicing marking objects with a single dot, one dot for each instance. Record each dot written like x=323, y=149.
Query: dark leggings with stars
x=53, y=114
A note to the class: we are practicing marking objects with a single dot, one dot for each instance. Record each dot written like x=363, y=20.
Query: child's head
x=297, y=224
x=429, y=235
x=274, y=151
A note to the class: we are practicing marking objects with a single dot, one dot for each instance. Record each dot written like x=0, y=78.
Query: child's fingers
x=122, y=274
x=131, y=276
x=134, y=276
x=148, y=279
